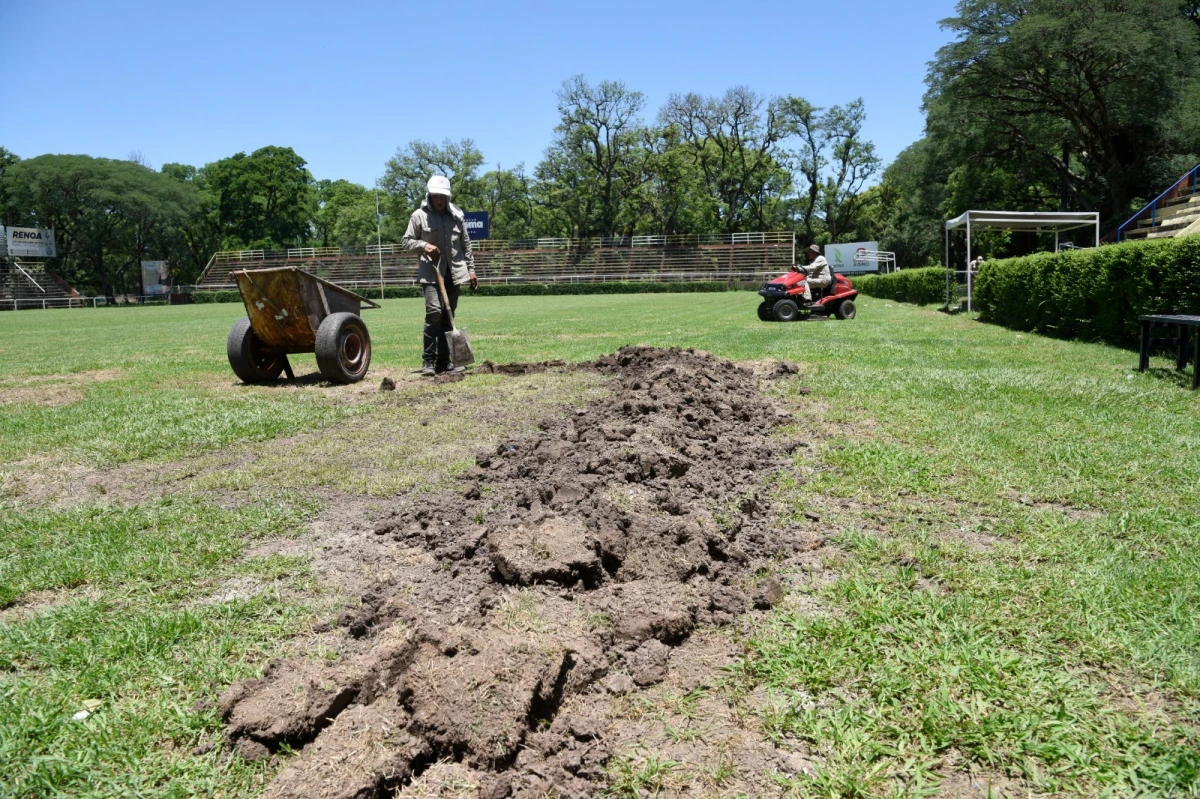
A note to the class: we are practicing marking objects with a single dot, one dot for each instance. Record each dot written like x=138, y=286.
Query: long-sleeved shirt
x=446, y=230
x=818, y=272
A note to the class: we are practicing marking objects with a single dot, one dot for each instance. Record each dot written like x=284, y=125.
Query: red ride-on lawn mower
x=783, y=299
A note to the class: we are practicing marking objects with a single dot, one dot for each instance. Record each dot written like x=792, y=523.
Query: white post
x=949, y=266
x=970, y=282
x=379, y=240
x=1097, y=230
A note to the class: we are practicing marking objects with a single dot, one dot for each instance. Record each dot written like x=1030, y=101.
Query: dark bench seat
x=1186, y=328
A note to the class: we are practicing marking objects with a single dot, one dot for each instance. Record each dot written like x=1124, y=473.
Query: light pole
x=379, y=240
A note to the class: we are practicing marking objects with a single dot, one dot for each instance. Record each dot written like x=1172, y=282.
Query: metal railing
x=885, y=262
x=247, y=255
x=1152, y=207
x=28, y=276
x=48, y=303
x=491, y=245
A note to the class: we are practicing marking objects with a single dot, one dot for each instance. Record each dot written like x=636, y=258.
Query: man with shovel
x=439, y=230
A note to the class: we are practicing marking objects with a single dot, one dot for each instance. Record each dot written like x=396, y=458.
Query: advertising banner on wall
x=478, y=226
x=29, y=242
x=156, y=278
x=847, y=258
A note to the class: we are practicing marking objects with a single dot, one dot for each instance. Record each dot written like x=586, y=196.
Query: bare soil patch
x=407, y=438
x=507, y=625
x=50, y=390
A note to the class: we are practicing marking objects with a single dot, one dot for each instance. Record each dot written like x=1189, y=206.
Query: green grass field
x=1017, y=522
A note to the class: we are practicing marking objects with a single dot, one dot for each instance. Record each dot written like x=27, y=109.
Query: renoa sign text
x=30, y=242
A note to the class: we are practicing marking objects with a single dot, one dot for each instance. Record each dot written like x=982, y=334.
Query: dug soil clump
x=564, y=569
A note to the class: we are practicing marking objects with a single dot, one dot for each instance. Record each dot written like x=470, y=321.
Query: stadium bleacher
x=27, y=284
x=736, y=257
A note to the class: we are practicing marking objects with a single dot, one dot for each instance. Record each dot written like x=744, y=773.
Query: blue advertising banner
x=478, y=226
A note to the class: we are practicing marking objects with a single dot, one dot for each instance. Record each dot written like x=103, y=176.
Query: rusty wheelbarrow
x=293, y=311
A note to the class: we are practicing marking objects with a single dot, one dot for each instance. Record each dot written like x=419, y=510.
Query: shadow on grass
x=301, y=380
x=1182, y=378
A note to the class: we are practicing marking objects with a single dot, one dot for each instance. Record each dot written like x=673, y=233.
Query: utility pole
x=379, y=240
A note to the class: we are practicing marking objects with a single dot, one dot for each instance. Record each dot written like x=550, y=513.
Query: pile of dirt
x=569, y=564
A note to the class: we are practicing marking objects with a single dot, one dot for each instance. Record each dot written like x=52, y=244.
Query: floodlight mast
x=379, y=240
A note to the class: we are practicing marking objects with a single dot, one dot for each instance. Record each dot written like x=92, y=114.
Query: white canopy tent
x=1056, y=222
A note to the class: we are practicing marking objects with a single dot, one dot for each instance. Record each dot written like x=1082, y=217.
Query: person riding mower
x=812, y=290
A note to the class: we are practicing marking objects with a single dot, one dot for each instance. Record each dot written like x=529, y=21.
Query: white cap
x=438, y=185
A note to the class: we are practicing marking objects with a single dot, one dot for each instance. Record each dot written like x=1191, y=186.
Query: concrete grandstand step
x=1191, y=230
x=29, y=285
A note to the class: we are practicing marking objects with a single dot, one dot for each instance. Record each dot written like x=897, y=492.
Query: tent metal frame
x=1056, y=222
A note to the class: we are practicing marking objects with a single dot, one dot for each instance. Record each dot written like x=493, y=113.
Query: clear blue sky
x=346, y=83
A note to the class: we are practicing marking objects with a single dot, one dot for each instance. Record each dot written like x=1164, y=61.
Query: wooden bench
x=1184, y=325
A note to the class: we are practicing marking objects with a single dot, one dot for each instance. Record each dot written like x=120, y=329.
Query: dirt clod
x=768, y=594
x=619, y=685
x=566, y=567
x=387, y=384
x=252, y=750
x=785, y=369
x=648, y=664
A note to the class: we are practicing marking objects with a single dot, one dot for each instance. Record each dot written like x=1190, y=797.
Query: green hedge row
x=924, y=286
x=1094, y=294
x=524, y=289
x=216, y=296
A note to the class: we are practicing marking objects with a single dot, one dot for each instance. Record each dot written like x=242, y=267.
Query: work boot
x=451, y=368
x=427, y=370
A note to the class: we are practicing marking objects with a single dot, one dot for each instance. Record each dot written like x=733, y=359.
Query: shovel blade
x=460, y=347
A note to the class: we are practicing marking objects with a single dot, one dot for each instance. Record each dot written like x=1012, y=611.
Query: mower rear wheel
x=764, y=312
x=846, y=309
x=248, y=356
x=787, y=311
x=343, y=348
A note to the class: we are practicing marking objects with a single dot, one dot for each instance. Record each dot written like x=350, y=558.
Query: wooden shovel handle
x=442, y=290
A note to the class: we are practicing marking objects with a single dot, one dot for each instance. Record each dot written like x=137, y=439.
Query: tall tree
x=407, y=172
x=345, y=215
x=200, y=232
x=809, y=160
x=508, y=199
x=264, y=199
x=107, y=216
x=597, y=150
x=852, y=161
x=673, y=199
x=7, y=159
x=734, y=141
x=1079, y=89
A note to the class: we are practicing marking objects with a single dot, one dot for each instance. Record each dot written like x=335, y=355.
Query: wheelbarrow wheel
x=248, y=356
x=343, y=348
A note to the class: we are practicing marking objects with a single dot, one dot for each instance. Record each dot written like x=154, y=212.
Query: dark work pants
x=437, y=324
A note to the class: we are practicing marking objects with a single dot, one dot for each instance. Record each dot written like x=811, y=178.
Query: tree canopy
x=107, y=215
x=1045, y=104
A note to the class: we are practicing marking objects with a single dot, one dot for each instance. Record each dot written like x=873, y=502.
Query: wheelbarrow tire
x=247, y=355
x=343, y=348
